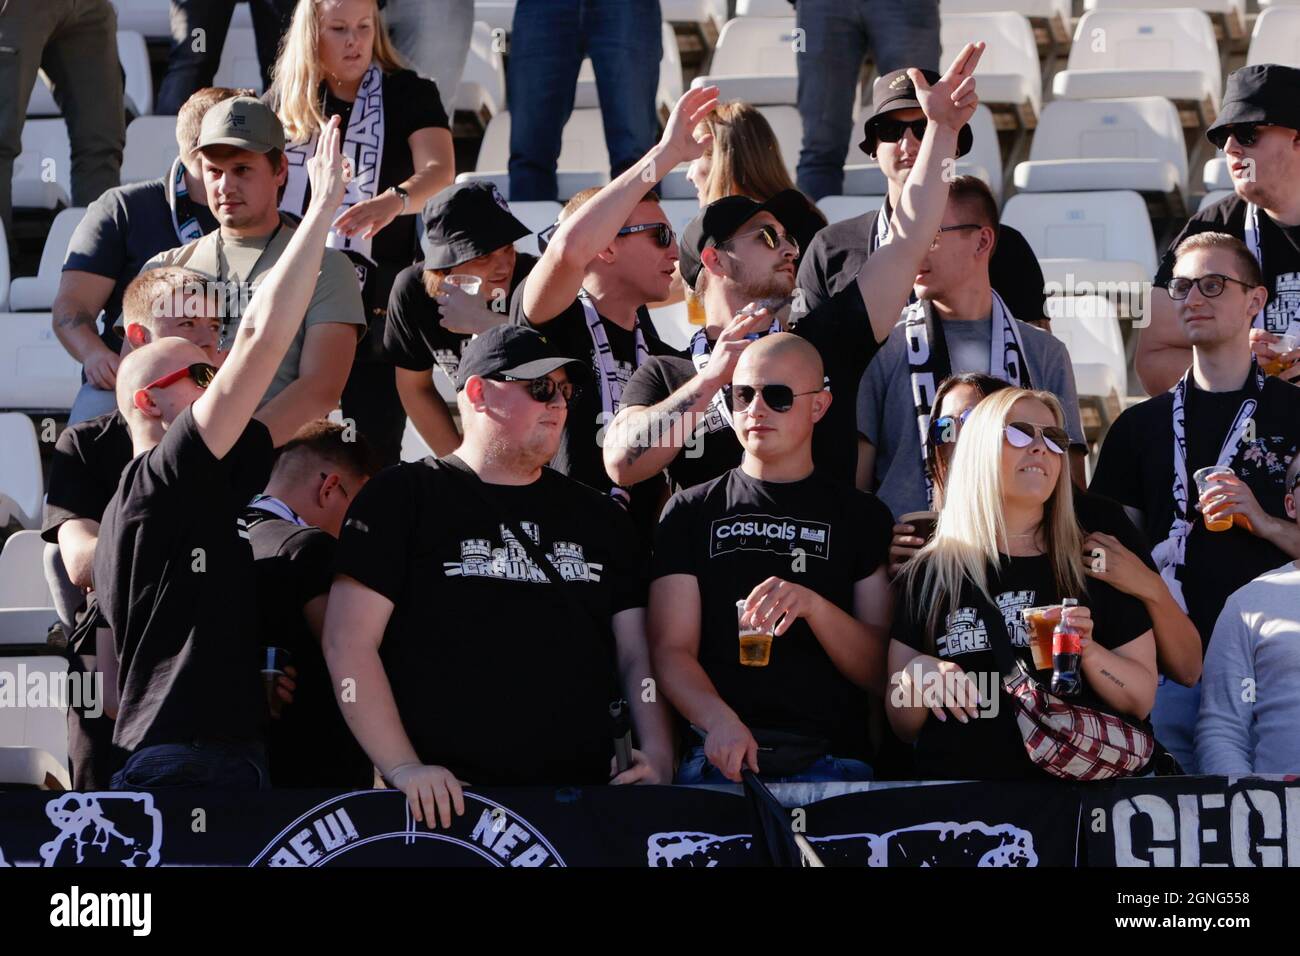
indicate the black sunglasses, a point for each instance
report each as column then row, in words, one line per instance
column 1211, row 285
column 779, row 398
column 663, row 236
column 771, row 238
column 1244, row 133
column 543, row 389
column 1022, row 435
column 945, row 429
column 891, row 130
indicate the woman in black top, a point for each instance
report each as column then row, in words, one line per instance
column 337, row 59
column 1007, row 538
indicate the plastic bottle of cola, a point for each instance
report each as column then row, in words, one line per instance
column 1066, row 654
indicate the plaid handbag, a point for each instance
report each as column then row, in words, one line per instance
column 1070, row 741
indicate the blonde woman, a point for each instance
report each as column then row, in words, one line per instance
column 1007, row 531
column 337, row 60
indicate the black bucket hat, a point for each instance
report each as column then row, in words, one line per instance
column 1264, row 93
column 895, row 91
column 465, row 221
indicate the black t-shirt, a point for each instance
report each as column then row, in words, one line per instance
column 733, row 533
column 174, row 577
column 1279, row 247
column 1099, row 514
column 579, row 455
column 1136, row 468
column 310, row 744
column 414, row 337
column 839, row 251
column 494, row 674
column 122, row 230
column 85, row 470
column 990, row 747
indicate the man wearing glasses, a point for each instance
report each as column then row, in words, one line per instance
column 171, row 559
column 486, row 609
column 959, row 323
column 1201, row 468
column 1258, row 129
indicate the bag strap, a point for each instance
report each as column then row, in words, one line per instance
column 995, row 626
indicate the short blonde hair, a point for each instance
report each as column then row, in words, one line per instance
column 189, row 119
column 156, row 292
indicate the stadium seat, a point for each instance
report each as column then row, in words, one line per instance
column 1049, row 18
column 839, row 208
column 31, row 768
column 759, row 90
column 36, row 372
column 1169, row 53
column 149, row 18
column 763, row 8
column 1276, row 37
column 43, row 170
column 694, row 11
column 1089, row 327
column 22, row 484
column 680, row 212
column 670, row 70
column 787, row 127
column 754, row 61
column 676, row 186
column 1213, row 196
column 672, row 325
column 497, row 14
column 150, row 148
column 1108, row 144
column 1230, row 15
column 22, row 570
column 134, row 57
column 536, row 216
column 568, row 182
column 1010, row 79
column 24, row 627
column 29, row 293
column 482, row 89
column 239, row 67
column 414, row 447
column 37, row 727
column 582, row 145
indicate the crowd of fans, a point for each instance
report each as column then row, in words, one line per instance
column 871, row 450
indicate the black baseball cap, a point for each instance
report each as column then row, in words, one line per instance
column 720, row 220
column 895, row 91
column 513, row 350
column 1264, row 93
column 465, row 221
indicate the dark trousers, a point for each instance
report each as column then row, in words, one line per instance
column 370, row 399
column 201, row 764
column 547, row 46
column 189, row 69
column 91, row 758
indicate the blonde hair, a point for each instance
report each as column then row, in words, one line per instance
column 971, row 526
column 297, row 75
column 746, row 157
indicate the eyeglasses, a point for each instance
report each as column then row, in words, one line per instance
column 201, row 373
column 664, row 236
column 779, row 398
column 325, row 477
column 771, row 238
column 543, row 389
column 1211, row 285
column 934, row 243
column 945, row 429
column 1022, row 435
column 891, row 130
column 1244, row 133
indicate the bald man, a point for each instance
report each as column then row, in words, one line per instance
column 173, row 570
column 789, row 550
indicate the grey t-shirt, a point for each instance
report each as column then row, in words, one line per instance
column 887, row 417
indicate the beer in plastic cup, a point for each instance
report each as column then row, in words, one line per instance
column 466, row 283
column 1205, row 485
column 755, row 642
column 922, row 521
column 1285, row 343
column 695, row 310
column 1040, row 634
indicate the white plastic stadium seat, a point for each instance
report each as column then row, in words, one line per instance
column 239, row 67
column 1231, row 14
column 1276, row 37
column 1213, row 196
column 25, row 625
column 22, row 569
column 568, row 182
column 755, row 61
column 483, row 81
column 536, row 216
column 679, row 212
column 676, row 186
column 670, row 70
column 497, row 14
column 134, row 57
column 839, row 208
column 31, row 767
column 763, row 8
column 1010, row 78
column 1169, row 53
column 36, row 372
column 787, row 127
column 671, row 323
column 150, row 148
column 22, row 485
column 1089, row 327
column 582, row 146
column 694, row 11
column 1107, row 144
column 1086, row 237
column 43, row 170
column 41, row 728
column 37, row 292
column 1216, row 174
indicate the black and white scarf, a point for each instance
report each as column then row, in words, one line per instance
column 184, row 210
column 882, row 231
column 701, row 348
column 274, row 506
column 1171, row 553
column 611, row 389
column 1251, row 237
column 928, row 362
column 363, row 147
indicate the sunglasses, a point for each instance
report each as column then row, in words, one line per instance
column 1244, row 133
column 201, row 373
column 663, row 234
column 1022, row 435
column 945, row 429
column 779, row 398
column 934, row 243
column 891, row 130
column 1211, row 285
column 543, row 389
column 771, row 238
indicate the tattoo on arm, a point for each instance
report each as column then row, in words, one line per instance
column 656, row 422
column 75, row 318
column 1119, row 683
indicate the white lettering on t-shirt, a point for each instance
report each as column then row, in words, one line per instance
column 966, row 631
column 761, row 532
column 482, row 558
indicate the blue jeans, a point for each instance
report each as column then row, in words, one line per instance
column 203, row 764
column 900, row 33
column 547, row 46
column 91, row 402
column 1174, row 719
column 695, row 768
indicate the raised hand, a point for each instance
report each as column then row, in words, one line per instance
column 328, row 171
column 679, row 134
column 951, row 101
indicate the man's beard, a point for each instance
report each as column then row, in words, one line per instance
column 526, row 455
column 768, row 285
